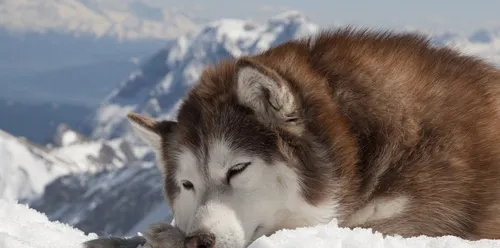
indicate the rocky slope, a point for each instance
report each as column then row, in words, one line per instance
column 110, row 202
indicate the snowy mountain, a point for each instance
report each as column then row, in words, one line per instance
column 26, row 168
column 159, row 84
column 65, row 136
column 125, row 20
column 484, row 43
column 111, row 202
column 95, row 156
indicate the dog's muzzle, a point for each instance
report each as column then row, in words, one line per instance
column 200, row 240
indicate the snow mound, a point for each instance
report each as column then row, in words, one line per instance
column 333, row 236
column 22, row 227
column 27, row 228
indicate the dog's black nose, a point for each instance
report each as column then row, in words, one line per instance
column 200, row 240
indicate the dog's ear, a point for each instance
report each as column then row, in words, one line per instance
column 151, row 131
column 266, row 92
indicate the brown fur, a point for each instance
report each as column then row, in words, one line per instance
column 379, row 115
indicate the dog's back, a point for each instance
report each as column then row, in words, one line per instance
column 426, row 123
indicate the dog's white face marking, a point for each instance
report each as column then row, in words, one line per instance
column 258, row 200
column 378, row 209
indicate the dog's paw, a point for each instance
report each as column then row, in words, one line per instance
column 164, row 235
column 116, row 242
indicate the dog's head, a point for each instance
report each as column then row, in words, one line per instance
column 243, row 159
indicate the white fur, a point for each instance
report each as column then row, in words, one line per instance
column 148, row 136
column 250, row 83
column 183, row 206
column 378, row 209
column 152, row 139
column 266, row 196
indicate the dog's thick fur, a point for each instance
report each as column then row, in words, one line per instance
column 378, row 129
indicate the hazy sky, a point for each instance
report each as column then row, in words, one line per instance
column 459, row 15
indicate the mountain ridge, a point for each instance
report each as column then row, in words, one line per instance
column 88, row 17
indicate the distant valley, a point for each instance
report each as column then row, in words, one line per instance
column 39, row 71
column 61, row 66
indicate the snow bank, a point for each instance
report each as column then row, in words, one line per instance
column 22, row 227
column 332, row 236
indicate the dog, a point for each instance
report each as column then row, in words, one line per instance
column 376, row 129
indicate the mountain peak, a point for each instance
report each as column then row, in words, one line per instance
column 66, row 136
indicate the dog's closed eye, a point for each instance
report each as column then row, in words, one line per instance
column 235, row 170
column 187, row 185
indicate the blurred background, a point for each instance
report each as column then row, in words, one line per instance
column 70, row 70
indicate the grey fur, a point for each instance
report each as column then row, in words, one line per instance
column 164, row 235
column 158, row 235
column 115, row 242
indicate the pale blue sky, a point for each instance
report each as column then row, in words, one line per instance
column 459, row 15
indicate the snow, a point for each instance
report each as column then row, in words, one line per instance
column 69, row 138
column 22, row 227
column 332, row 236
column 111, row 115
column 26, row 168
column 66, row 136
column 93, row 155
column 84, row 200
